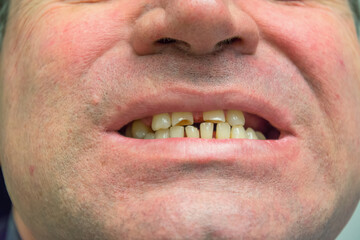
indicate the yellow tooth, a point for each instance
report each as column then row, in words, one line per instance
column 162, row 133
column 260, row 135
column 161, row 121
column 223, row 131
column 235, row 117
column 150, row 135
column 238, row 132
column 182, row 118
column 139, row 129
column 128, row 131
column 251, row 133
column 177, row 132
column 206, row 130
column 216, row 116
column 192, row 132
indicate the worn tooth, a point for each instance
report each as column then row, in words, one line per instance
column 206, row 130
column 251, row 133
column 182, row 118
column 162, row 133
column 238, row 132
column 177, row 132
column 223, row 131
column 128, row 131
column 161, row 121
column 139, row 129
column 150, row 135
column 216, row 116
column 235, row 117
column 192, row 132
column 260, row 135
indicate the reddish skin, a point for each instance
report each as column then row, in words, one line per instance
column 69, row 69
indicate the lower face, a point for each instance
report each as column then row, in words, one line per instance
column 72, row 173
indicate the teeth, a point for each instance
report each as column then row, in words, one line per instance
column 217, row 116
column 223, row 131
column 192, row 132
column 251, row 133
column 128, row 131
column 161, row 121
column 238, row 132
column 177, row 132
column 139, row 129
column 150, row 136
column 234, row 117
column 260, row 135
column 182, row 118
column 206, row 130
column 162, row 133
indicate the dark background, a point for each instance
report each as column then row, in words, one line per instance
column 5, row 204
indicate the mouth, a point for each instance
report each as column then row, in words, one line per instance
column 215, row 124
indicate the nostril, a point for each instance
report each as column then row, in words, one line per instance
column 166, row 41
column 227, row 42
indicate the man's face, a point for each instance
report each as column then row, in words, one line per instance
column 74, row 73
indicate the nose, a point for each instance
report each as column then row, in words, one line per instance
column 196, row 27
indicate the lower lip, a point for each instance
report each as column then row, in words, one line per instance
column 271, row 153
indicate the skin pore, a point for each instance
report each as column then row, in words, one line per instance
column 72, row 70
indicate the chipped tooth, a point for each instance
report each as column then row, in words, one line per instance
column 150, row 135
column 251, row 133
column 128, row 131
column 162, row 133
column 235, row 117
column 139, row 129
column 161, row 121
column 260, row 135
column 206, row 130
column 192, row 132
column 182, row 118
column 177, row 132
column 238, row 132
column 223, row 131
column 216, row 116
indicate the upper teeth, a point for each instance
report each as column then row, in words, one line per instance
column 165, row 125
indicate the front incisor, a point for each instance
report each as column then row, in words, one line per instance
column 235, row 117
column 251, row 133
column 162, row 133
column 177, row 132
column 216, row 116
column 192, row 132
column 206, row 130
column 223, row 131
column 182, row 118
column 161, row 121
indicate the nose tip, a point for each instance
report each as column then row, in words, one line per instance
column 195, row 26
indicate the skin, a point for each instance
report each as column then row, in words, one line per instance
column 67, row 67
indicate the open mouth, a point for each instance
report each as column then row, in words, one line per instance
column 216, row 124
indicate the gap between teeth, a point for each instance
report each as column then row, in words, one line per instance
column 180, row 124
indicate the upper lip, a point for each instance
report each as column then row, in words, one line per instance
column 180, row 99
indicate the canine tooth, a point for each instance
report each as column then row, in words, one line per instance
column 223, row 131
column 192, row 132
column 162, row 133
column 251, row 133
column 235, row 117
column 161, row 121
column 238, row 132
column 260, row 135
column 182, row 118
column 216, row 116
column 139, row 129
column 177, row 132
column 150, row 135
column 206, row 130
